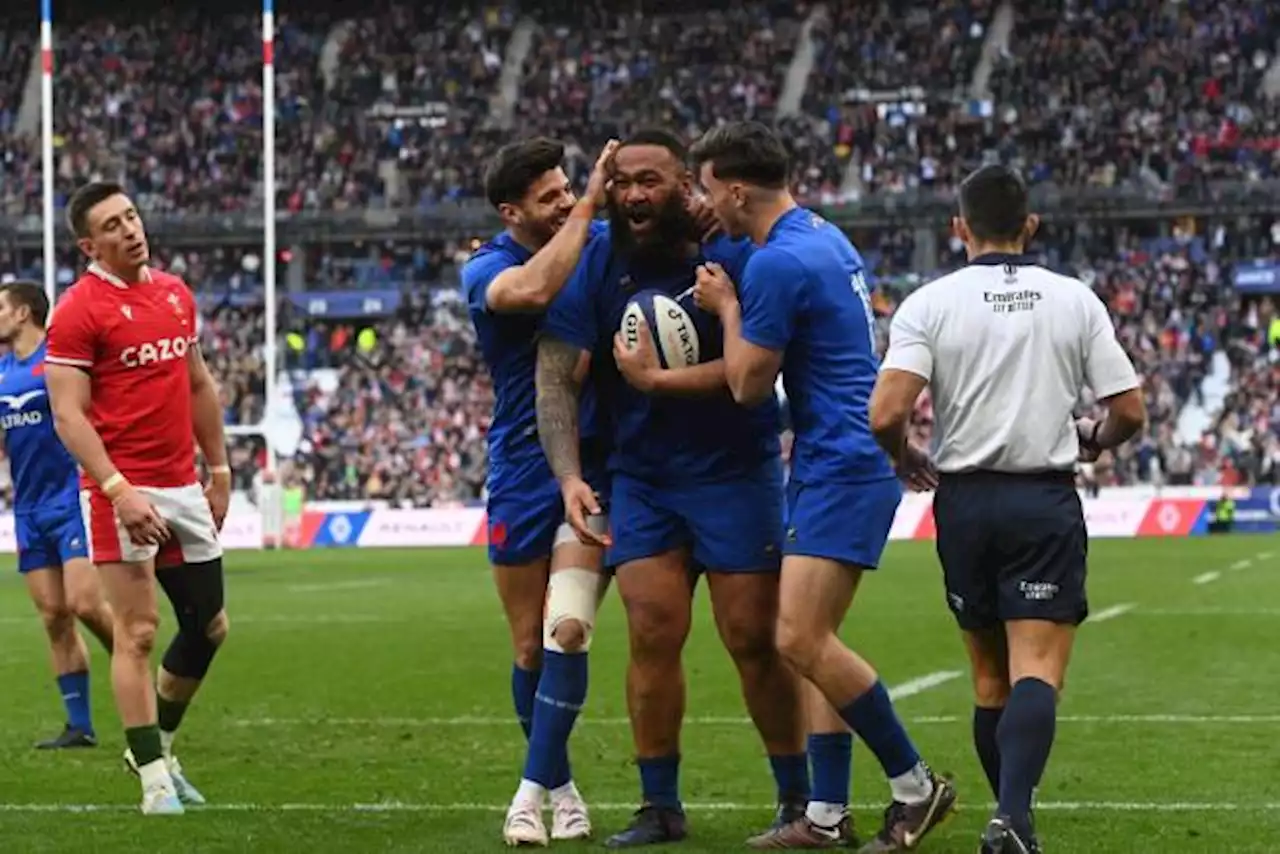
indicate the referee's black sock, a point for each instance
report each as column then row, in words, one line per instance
column 985, row 722
column 1025, row 737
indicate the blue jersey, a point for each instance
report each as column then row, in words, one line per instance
column 509, row 345
column 44, row 474
column 804, row 294
column 667, row 440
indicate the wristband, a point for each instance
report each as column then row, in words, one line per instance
column 225, row 471
column 114, row 485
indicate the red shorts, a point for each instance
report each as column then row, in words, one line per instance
column 184, row 508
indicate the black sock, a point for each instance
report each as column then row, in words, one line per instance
column 985, row 722
column 144, row 741
column 1025, row 736
column 169, row 713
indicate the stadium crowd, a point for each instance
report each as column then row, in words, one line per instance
column 400, row 106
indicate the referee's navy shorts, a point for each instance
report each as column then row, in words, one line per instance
column 1012, row 547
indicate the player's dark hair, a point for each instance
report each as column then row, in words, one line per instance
column 84, row 200
column 993, row 202
column 662, row 139
column 517, row 165
column 30, row 294
column 744, row 151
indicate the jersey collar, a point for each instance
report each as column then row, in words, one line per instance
column 113, row 279
column 999, row 259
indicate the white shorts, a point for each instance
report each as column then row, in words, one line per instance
column 184, row 508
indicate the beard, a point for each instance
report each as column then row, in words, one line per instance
column 670, row 228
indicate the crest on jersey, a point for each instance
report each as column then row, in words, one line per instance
column 126, row 311
column 176, row 303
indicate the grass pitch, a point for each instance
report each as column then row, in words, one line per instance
column 362, row 705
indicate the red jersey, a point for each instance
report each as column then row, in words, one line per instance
column 132, row 339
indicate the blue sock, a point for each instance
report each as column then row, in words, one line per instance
column 831, row 754
column 986, row 723
column 873, row 718
column 524, row 686
column 791, row 773
column 75, row 697
column 1025, row 735
column 660, row 780
column 561, row 693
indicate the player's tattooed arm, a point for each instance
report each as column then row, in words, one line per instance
column 559, row 379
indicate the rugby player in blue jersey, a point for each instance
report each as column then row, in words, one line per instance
column 53, row 554
column 537, row 560
column 801, row 307
column 696, row 479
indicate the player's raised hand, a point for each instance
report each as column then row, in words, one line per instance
column 583, row 513
column 598, row 183
column 140, row 518
column 916, row 469
column 640, row 366
column 713, row 290
column 705, row 222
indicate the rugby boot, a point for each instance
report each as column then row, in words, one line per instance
column 1000, row 837
column 69, row 737
column 906, row 824
column 651, row 825
column 523, row 825
column 187, row 793
column 569, row 816
column 801, row 834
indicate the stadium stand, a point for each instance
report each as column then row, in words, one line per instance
column 1162, row 194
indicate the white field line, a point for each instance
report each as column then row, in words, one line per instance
column 1241, row 564
column 705, row 806
column 706, row 720
column 923, row 683
column 327, row 586
column 1206, row 577
column 1209, row 612
column 1264, row 555
column 1112, row 612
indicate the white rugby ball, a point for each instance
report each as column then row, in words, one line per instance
column 674, row 334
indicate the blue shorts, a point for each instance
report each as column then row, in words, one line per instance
column 845, row 522
column 731, row 526
column 49, row 537
column 523, row 517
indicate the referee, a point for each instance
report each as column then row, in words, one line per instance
column 1006, row 348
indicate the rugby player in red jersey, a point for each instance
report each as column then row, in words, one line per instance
column 129, row 391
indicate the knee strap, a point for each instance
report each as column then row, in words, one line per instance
column 197, row 594
column 572, row 594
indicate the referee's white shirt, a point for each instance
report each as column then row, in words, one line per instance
column 1007, row 348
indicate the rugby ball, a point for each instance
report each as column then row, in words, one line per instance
column 674, row 335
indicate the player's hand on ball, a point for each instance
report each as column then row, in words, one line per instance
column 581, row 507
column 713, row 290
column 916, row 469
column 1087, row 433
column 640, row 366
column 140, row 518
column 598, row 183
column 218, row 494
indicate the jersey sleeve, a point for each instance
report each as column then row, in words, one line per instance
column 909, row 345
column 769, row 293
column 72, row 337
column 572, row 317
column 477, row 274
column 1107, row 368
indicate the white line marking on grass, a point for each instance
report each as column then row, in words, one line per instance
column 1112, row 612
column 708, row 806
column 1206, row 577
column 1241, row 564
column 1264, row 555
column 923, row 683
column 1209, row 612
column 326, row 586
column 489, row 721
